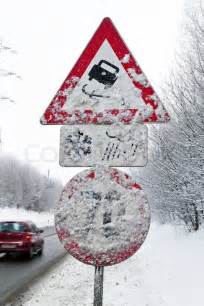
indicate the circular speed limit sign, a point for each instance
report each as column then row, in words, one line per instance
column 102, row 217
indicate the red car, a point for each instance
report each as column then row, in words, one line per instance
column 20, row 237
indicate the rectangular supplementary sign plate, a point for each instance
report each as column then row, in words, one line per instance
column 111, row 145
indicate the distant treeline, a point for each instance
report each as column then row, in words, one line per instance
column 21, row 185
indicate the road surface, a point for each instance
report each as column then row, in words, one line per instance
column 16, row 273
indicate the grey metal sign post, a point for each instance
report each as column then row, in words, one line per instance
column 98, row 286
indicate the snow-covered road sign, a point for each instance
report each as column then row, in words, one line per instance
column 102, row 217
column 105, row 86
column 112, row 145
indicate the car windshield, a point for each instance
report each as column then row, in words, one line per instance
column 11, row 227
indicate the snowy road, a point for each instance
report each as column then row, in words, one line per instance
column 15, row 273
column 167, row 271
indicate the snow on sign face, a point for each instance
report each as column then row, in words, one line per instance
column 102, row 217
column 105, row 86
column 110, row 145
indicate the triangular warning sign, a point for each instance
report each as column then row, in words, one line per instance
column 105, row 86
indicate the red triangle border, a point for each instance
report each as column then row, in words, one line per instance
column 54, row 113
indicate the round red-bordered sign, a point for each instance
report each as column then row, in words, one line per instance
column 102, row 217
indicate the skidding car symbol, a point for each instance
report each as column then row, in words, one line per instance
column 102, row 75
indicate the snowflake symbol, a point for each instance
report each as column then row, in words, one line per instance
column 77, row 145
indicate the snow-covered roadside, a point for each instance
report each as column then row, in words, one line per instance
column 168, row 270
column 14, row 214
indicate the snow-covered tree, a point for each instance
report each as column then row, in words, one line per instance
column 5, row 51
column 175, row 172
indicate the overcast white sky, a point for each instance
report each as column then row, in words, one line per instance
column 49, row 36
